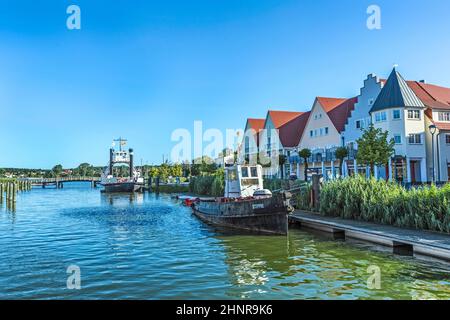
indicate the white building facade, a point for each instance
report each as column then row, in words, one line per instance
column 399, row 111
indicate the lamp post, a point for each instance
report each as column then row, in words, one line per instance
column 433, row 129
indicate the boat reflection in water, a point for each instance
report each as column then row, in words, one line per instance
column 122, row 199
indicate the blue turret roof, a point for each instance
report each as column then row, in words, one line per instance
column 396, row 93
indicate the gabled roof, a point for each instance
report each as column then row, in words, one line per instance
column 341, row 113
column 396, row 93
column 279, row 118
column 329, row 104
column 431, row 95
column 291, row 132
column 255, row 124
column 338, row 110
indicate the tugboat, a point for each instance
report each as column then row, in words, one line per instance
column 246, row 205
column 133, row 182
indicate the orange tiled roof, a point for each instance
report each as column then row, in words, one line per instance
column 341, row 113
column 431, row 95
column 444, row 126
column 279, row 118
column 256, row 124
column 291, row 132
column 338, row 110
column 329, row 104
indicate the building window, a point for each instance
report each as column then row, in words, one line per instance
column 358, row 124
column 326, row 131
column 247, row 145
column 447, row 138
column 397, row 139
column 444, row 116
column 321, row 131
column 415, row 138
column 414, row 114
column 396, row 114
column 380, row 116
column 311, row 133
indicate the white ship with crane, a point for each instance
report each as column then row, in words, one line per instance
column 133, row 182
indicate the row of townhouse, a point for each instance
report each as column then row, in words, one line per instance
column 415, row 114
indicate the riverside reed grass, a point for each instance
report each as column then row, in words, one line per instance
column 372, row 200
column 208, row 185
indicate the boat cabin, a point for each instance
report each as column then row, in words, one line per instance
column 242, row 181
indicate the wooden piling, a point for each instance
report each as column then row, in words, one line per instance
column 14, row 192
column 316, row 191
column 149, row 184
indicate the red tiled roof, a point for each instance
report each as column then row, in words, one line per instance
column 256, row 124
column 431, row 95
column 291, row 132
column 445, row 126
column 280, row 118
column 341, row 113
column 329, row 104
column 338, row 110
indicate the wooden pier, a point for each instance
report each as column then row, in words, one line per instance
column 9, row 190
column 402, row 241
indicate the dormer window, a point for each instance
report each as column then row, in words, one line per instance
column 414, row 114
column 444, row 116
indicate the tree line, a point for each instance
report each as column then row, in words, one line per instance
column 198, row 167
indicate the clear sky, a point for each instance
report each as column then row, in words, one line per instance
column 140, row 69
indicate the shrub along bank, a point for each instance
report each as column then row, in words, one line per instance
column 388, row 203
column 208, row 185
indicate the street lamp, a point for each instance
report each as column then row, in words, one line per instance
column 432, row 129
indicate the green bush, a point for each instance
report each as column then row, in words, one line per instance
column 210, row 185
column 282, row 184
column 302, row 198
column 275, row 184
column 388, row 203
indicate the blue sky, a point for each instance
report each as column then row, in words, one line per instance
column 140, row 69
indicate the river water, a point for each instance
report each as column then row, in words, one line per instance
column 150, row 247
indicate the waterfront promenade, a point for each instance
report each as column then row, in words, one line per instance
column 403, row 241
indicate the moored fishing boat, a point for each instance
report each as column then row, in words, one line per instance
column 246, row 205
column 111, row 183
